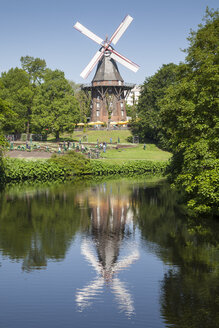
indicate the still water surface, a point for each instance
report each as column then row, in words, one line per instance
column 109, row 254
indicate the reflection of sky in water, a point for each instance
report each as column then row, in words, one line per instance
column 90, row 246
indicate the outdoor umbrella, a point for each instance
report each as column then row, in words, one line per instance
column 99, row 123
column 122, row 122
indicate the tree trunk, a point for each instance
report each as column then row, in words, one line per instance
column 57, row 135
column 28, row 130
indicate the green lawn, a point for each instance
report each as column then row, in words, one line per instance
column 101, row 135
column 151, row 153
column 113, row 155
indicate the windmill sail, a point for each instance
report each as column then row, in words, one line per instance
column 121, row 29
column 124, row 61
column 88, row 33
column 106, row 48
column 92, row 64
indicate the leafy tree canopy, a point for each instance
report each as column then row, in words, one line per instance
column 84, row 101
column 15, row 89
column 147, row 123
column 190, row 119
column 35, row 67
column 55, row 108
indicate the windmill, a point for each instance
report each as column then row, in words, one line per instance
column 108, row 90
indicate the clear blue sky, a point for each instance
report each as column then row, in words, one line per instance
column 44, row 28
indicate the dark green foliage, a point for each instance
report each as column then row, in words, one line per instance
column 72, row 163
column 190, row 119
column 84, row 101
column 55, row 108
column 15, row 89
column 35, row 67
column 147, row 124
column 137, row 167
column 40, row 100
column 21, row 170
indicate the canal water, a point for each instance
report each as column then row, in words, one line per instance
column 116, row 253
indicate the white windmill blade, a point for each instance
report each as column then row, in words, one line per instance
column 123, row 297
column 127, row 261
column 84, row 297
column 124, row 61
column 86, row 251
column 121, row 29
column 88, row 33
column 92, row 63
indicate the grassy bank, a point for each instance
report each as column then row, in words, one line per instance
column 124, row 136
column 151, row 153
column 72, row 165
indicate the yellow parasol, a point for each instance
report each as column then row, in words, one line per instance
column 113, row 123
column 80, row 124
column 99, row 123
column 122, row 122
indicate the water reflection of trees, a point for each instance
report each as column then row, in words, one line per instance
column 190, row 288
column 39, row 226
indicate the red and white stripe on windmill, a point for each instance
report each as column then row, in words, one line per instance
column 108, row 90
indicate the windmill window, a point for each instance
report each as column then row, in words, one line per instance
column 98, row 113
column 122, row 105
column 98, row 105
column 122, row 112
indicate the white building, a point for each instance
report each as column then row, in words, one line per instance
column 133, row 95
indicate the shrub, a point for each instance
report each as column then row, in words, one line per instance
column 72, row 163
column 21, row 170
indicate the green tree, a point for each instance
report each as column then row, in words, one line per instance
column 75, row 86
column 147, row 124
column 55, row 108
column 35, row 67
column 190, row 118
column 84, row 101
column 4, row 112
column 15, row 89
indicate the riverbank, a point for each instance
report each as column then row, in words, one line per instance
column 71, row 165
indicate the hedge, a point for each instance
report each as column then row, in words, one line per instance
column 71, row 165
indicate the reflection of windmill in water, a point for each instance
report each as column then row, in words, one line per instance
column 110, row 217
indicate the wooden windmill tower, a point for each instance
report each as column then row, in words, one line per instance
column 108, row 90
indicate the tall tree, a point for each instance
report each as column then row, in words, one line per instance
column 55, row 108
column 147, row 123
column 84, row 101
column 190, row 118
column 15, row 88
column 35, row 68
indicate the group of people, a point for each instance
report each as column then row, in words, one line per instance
column 102, row 145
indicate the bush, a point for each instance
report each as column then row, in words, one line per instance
column 137, row 167
column 71, row 165
column 21, row 170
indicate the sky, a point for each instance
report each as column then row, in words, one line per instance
column 44, row 29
